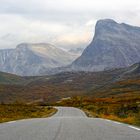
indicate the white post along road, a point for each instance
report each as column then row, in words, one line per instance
column 68, row 124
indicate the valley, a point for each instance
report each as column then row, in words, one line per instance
column 69, row 70
column 112, row 94
column 101, row 93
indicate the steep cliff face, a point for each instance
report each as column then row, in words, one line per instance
column 32, row 59
column 113, row 46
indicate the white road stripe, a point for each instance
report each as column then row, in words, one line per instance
column 117, row 122
column 114, row 122
column 134, row 127
column 11, row 122
column 108, row 120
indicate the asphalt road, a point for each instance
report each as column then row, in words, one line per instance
column 68, row 124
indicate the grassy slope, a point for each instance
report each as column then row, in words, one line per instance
column 119, row 101
column 120, row 92
column 7, row 78
column 120, row 88
column 123, row 109
column 53, row 88
column 16, row 112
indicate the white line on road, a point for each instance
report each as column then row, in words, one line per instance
column 11, row 122
column 121, row 123
column 134, row 128
column 114, row 122
column 108, row 120
column 117, row 122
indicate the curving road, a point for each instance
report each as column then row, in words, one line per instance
column 68, row 124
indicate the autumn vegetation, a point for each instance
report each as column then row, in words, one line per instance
column 109, row 94
column 10, row 112
column 123, row 109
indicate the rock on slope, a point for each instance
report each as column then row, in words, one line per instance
column 32, row 59
column 114, row 46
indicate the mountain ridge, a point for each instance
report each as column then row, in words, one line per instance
column 29, row 59
column 114, row 46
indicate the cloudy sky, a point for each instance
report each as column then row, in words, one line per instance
column 64, row 23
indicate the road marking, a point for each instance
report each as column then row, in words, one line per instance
column 11, row 122
column 109, row 120
column 128, row 126
column 134, row 128
column 113, row 121
column 117, row 122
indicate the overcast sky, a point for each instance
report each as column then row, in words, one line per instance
column 64, row 23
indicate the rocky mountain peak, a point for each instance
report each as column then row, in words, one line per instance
column 106, row 22
column 31, row 59
column 114, row 45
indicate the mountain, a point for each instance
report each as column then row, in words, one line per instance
column 32, row 59
column 114, row 46
column 77, row 51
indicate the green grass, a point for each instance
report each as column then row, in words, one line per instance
column 17, row 112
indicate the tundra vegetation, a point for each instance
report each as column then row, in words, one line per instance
column 123, row 109
column 16, row 111
column 113, row 94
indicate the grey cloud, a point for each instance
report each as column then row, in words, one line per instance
column 27, row 20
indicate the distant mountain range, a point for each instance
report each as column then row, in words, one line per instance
column 114, row 46
column 33, row 59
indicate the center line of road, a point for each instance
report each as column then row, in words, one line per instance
column 134, row 128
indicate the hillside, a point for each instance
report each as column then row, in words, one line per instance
column 55, row 87
column 7, row 78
